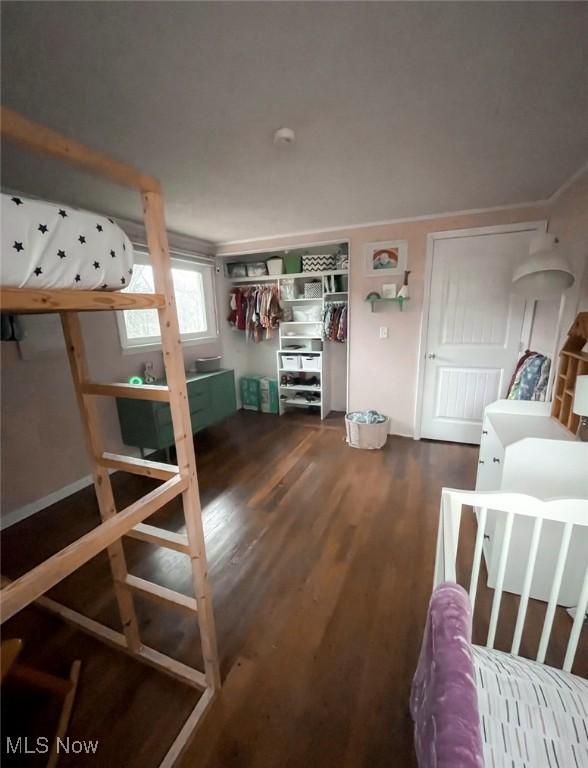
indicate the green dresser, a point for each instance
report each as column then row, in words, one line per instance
column 148, row 424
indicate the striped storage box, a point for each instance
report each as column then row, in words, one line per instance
column 319, row 262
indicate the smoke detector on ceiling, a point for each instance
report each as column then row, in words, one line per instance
column 284, row 136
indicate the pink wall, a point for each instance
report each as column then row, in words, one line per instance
column 42, row 444
column 383, row 372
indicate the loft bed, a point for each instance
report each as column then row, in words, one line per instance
column 176, row 480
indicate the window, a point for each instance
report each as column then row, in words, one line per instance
column 194, row 289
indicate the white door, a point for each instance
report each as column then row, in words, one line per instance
column 474, row 332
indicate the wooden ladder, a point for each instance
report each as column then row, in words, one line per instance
column 181, row 479
column 87, row 392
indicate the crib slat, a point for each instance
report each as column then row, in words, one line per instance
column 522, row 614
column 500, row 580
column 477, row 555
column 451, row 511
column 577, row 626
column 553, row 595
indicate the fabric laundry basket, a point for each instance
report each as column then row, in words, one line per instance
column 370, row 433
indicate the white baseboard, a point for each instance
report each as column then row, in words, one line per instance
column 36, row 506
column 11, row 518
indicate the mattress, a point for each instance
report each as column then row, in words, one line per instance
column 532, row 715
column 47, row 245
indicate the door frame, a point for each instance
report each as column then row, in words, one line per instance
column 450, row 234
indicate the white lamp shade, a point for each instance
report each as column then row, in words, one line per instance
column 545, row 272
column 581, row 396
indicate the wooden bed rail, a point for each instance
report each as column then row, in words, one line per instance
column 31, row 136
column 567, row 512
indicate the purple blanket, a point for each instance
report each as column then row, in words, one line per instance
column 443, row 702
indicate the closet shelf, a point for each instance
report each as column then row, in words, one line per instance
column 302, row 337
column 301, row 387
column 300, row 322
column 302, row 403
column 336, row 293
column 286, row 276
column 301, row 298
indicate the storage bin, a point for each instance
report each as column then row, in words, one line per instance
column 292, row 263
column 269, row 395
column 290, row 362
column 236, row 270
column 256, row 269
column 310, row 314
column 371, row 437
column 207, row 364
column 250, row 393
column 287, row 288
column 319, row 262
column 310, row 362
column 313, row 290
column 275, row 265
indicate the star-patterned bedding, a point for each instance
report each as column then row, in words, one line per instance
column 46, row 245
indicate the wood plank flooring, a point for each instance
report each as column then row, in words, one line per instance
column 321, row 563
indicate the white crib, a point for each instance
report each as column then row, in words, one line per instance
column 569, row 513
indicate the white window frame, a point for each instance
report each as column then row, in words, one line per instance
column 147, row 343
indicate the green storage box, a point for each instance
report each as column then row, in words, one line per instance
column 269, row 395
column 250, row 393
column 292, row 263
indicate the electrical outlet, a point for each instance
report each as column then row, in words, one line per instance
column 383, row 332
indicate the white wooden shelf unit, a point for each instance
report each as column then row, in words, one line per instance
column 309, row 332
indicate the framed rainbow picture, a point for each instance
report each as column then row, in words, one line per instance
column 386, row 259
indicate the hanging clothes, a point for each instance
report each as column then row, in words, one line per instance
column 334, row 323
column 529, row 381
column 256, row 310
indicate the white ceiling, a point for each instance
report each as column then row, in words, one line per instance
column 400, row 109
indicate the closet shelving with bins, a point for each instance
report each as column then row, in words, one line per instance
column 311, row 372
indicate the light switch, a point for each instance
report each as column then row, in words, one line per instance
column 383, row 332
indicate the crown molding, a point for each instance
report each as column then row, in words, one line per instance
column 407, row 219
column 568, row 183
column 343, row 228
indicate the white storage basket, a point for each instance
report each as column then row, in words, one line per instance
column 290, row 362
column 310, row 362
column 307, row 314
column 367, row 436
column 275, row 265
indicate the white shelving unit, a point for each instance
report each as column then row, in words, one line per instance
column 330, row 388
column 305, row 334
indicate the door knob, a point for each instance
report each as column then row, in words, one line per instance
column 431, row 355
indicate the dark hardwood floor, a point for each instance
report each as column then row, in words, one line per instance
column 321, row 563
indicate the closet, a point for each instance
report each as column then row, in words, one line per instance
column 285, row 316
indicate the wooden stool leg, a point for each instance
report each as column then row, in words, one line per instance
column 66, row 710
